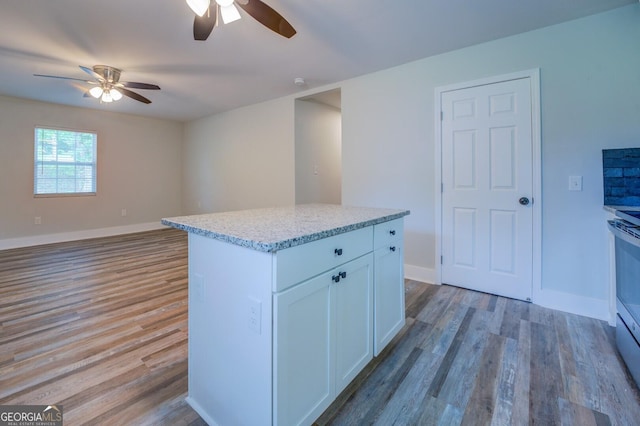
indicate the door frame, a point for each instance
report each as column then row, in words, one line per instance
column 534, row 78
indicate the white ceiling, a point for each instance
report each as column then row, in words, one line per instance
column 243, row 62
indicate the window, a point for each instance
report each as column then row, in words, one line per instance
column 65, row 162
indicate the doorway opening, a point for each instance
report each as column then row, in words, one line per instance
column 318, row 148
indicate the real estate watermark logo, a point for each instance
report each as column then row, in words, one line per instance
column 30, row 415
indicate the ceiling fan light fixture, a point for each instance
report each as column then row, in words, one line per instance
column 224, row 3
column 106, row 96
column 96, row 92
column 106, row 85
column 115, row 94
column 199, row 7
column 229, row 13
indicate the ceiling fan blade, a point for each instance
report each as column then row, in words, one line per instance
column 134, row 95
column 134, row 85
column 268, row 17
column 203, row 25
column 61, row 78
column 92, row 73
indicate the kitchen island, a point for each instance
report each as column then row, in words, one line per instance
column 286, row 306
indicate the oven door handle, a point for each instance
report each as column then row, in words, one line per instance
column 618, row 233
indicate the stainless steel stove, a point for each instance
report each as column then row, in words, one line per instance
column 627, row 242
column 631, row 216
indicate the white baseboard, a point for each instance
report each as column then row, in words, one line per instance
column 201, row 411
column 419, row 273
column 62, row 237
column 575, row 304
column 553, row 299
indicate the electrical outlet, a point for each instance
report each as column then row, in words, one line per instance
column 255, row 315
column 123, row 212
column 37, row 220
column 197, row 285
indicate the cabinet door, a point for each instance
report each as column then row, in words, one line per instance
column 353, row 319
column 388, row 294
column 303, row 348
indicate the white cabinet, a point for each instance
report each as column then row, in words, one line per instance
column 322, row 339
column 275, row 337
column 389, row 313
column 296, row 264
column 353, row 320
column 303, row 365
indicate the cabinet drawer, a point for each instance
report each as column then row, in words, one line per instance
column 295, row 264
column 387, row 232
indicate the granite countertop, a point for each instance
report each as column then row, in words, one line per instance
column 277, row 228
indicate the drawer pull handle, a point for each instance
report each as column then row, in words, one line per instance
column 392, row 248
column 338, row 252
column 336, row 278
column 392, row 232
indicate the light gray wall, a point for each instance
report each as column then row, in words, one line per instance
column 139, row 166
column 240, row 159
column 318, row 153
column 590, row 100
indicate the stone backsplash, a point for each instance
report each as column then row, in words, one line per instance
column 621, row 176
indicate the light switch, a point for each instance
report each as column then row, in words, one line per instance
column 575, row 183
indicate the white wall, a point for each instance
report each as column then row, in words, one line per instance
column 139, row 165
column 387, row 140
column 590, row 100
column 318, row 153
column 240, row 159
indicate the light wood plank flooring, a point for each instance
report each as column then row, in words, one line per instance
column 100, row 326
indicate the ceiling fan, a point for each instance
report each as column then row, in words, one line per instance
column 208, row 16
column 107, row 85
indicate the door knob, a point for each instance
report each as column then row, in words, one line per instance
column 524, row 201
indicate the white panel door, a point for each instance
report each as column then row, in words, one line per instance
column 487, row 181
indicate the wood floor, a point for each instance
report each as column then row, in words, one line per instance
column 100, row 326
column 471, row 358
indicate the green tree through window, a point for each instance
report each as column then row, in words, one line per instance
column 65, row 162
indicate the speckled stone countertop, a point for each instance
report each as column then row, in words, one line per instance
column 277, row 228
